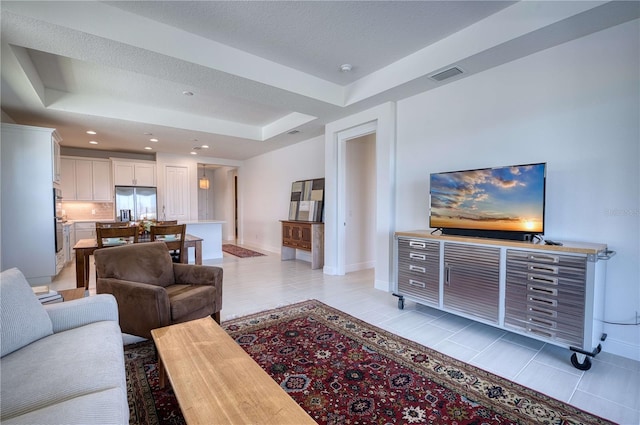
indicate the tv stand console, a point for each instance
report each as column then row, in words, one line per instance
column 553, row 293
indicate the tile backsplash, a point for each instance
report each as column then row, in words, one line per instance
column 88, row 210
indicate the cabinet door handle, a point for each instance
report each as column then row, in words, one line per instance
column 540, row 290
column 542, row 322
column 544, row 311
column 544, row 269
column 417, row 244
column 544, row 258
column 541, row 332
column 542, row 279
column 447, row 274
column 417, row 283
column 417, row 268
column 416, row 256
column 544, row 301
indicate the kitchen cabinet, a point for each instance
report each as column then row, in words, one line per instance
column 85, row 230
column 67, row 247
column 306, row 236
column 129, row 173
column 553, row 293
column 28, row 224
column 86, row 179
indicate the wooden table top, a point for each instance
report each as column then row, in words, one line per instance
column 93, row 243
column 216, row 381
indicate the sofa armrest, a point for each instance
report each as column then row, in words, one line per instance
column 141, row 306
column 80, row 312
column 192, row 274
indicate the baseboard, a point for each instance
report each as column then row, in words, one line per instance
column 356, row 267
column 621, row 348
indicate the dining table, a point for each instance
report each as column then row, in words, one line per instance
column 84, row 248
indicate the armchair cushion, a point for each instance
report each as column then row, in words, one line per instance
column 151, row 265
column 24, row 320
column 185, row 300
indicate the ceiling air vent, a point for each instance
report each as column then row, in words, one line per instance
column 447, row 73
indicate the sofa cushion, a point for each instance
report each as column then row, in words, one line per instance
column 104, row 407
column 147, row 262
column 62, row 367
column 23, row 319
column 187, row 299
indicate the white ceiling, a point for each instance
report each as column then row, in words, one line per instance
column 257, row 69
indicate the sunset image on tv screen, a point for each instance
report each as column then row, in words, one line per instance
column 503, row 199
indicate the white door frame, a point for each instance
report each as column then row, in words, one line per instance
column 343, row 138
column 383, row 118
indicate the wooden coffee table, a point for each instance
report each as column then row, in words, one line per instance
column 216, row 381
column 71, row 294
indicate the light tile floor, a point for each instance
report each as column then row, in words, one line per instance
column 611, row 388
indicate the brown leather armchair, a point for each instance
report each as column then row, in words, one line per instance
column 152, row 291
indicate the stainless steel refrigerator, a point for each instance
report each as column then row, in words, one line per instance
column 135, row 203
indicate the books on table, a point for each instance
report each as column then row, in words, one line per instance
column 49, row 296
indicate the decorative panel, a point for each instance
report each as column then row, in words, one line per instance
column 307, row 200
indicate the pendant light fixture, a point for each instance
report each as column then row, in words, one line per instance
column 203, row 183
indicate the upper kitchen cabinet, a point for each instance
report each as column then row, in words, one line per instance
column 28, row 225
column 86, row 179
column 130, row 173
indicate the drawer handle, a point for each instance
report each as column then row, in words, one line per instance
column 546, row 291
column 538, row 310
column 544, row 269
column 417, row 283
column 546, row 302
column 417, row 244
column 416, row 256
column 542, row 279
column 544, row 258
column 541, row 332
column 417, row 268
column 538, row 321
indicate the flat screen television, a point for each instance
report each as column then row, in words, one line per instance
column 501, row 202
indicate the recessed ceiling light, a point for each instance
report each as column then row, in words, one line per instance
column 153, row 140
column 205, row 146
column 346, row 67
column 193, row 153
column 91, row 132
column 187, row 93
column 93, row 142
column 148, row 148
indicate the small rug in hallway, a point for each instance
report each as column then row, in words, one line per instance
column 238, row 251
column 342, row 370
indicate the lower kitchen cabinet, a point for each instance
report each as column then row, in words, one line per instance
column 85, row 230
column 548, row 292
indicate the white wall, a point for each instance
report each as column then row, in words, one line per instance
column 264, row 190
column 575, row 106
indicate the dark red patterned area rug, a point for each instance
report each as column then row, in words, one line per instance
column 342, row 370
column 239, row 251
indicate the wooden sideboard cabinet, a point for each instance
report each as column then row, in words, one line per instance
column 553, row 293
column 306, row 236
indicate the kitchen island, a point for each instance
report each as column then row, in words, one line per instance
column 210, row 231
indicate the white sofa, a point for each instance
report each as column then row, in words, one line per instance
column 61, row 363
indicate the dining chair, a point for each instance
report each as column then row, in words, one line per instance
column 166, row 222
column 114, row 236
column 110, row 224
column 173, row 236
